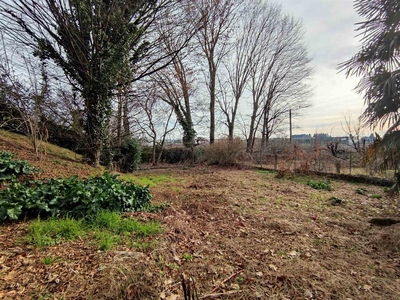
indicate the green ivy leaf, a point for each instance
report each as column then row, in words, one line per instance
column 14, row 213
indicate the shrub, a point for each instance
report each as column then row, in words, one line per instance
column 10, row 168
column 176, row 155
column 128, row 157
column 320, row 185
column 73, row 197
column 224, row 152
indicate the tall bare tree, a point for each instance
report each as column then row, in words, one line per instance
column 280, row 68
column 213, row 37
column 245, row 38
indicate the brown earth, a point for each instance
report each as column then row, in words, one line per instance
column 230, row 233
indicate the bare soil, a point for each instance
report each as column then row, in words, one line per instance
column 228, row 234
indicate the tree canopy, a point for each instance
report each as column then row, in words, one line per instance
column 90, row 41
column 378, row 65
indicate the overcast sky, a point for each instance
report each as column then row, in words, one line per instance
column 330, row 36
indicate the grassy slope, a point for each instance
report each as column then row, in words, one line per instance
column 55, row 161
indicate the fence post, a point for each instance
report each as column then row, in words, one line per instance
column 350, row 163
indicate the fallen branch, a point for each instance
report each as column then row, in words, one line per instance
column 227, row 279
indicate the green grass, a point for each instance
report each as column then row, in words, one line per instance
column 267, row 172
column 106, row 230
column 301, row 179
column 53, row 231
column 48, row 260
column 376, row 196
column 187, row 257
column 320, row 184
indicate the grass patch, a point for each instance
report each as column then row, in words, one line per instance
column 112, row 222
column 53, row 231
column 48, row 260
column 106, row 230
column 266, row 172
column 376, row 196
column 301, row 179
column 361, row 191
column 187, row 257
column 151, row 180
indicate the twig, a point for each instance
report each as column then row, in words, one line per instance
column 219, row 294
column 227, row 279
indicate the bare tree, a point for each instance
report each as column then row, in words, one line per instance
column 23, row 102
column 354, row 132
column 217, row 22
column 175, row 84
column 245, row 38
column 280, row 68
column 154, row 119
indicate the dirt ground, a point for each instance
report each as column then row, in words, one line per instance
column 228, row 234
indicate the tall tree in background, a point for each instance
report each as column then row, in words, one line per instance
column 217, row 21
column 287, row 91
column 280, row 65
column 89, row 41
column 246, row 37
column 378, row 65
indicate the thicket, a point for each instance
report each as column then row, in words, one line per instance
column 176, row 155
column 224, row 152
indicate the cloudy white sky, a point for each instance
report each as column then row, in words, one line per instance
column 331, row 39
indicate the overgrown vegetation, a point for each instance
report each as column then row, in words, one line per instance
column 224, row 152
column 11, row 169
column 73, row 197
column 106, row 229
column 125, row 158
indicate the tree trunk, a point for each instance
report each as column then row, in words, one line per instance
column 125, row 119
column 250, row 138
column 153, row 154
column 212, row 105
column 119, row 121
column 96, row 124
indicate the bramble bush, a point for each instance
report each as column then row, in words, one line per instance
column 72, row 197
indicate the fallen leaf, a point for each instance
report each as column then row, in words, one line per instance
column 10, row 276
column 367, row 288
column 272, row 267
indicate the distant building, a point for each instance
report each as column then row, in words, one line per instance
column 344, row 139
column 301, row 136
